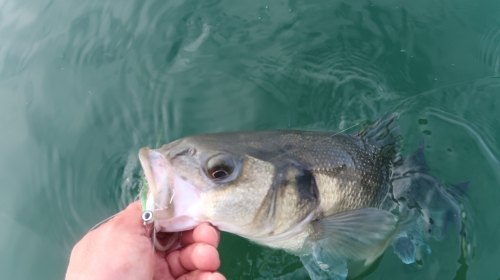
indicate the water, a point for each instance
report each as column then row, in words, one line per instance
column 85, row 84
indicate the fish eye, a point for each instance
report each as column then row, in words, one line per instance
column 220, row 167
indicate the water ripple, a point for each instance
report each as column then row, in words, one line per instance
column 469, row 127
column 490, row 49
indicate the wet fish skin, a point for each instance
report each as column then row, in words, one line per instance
column 305, row 169
column 319, row 195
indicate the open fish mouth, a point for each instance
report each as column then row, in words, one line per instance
column 157, row 195
column 335, row 200
column 170, row 201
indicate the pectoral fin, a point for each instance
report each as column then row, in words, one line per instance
column 357, row 236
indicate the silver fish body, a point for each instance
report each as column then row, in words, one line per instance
column 328, row 198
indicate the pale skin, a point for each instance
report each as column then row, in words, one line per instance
column 122, row 249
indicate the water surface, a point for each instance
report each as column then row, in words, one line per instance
column 85, row 84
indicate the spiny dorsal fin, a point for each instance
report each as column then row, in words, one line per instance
column 383, row 132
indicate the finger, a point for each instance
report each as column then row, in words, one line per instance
column 187, row 238
column 130, row 220
column 174, row 264
column 202, row 275
column 162, row 269
column 204, row 233
column 194, row 257
column 199, row 256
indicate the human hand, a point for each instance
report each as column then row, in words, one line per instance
column 121, row 249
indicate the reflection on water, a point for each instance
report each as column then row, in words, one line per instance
column 490, row 52
column 473, row 110
column 453, row 119
column 462, row 138
column 84, row 85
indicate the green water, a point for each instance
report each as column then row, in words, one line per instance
column 85, row 84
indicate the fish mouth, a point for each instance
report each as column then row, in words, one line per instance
column 172, row 199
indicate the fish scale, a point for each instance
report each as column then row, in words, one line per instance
column 335, row 200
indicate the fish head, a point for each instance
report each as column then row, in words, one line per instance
column 210, row 179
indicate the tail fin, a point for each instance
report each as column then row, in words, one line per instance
column 439, row 206
column 426, row 207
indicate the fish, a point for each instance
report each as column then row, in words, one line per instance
column 336, row 200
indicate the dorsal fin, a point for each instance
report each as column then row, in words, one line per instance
column 383, row 134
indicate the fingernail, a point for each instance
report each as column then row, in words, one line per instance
column 216, row 276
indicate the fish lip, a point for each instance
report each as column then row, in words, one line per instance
column 175, row 206
column 144, row 159
column 158, row 173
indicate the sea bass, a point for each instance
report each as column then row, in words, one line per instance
column 335, row 200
